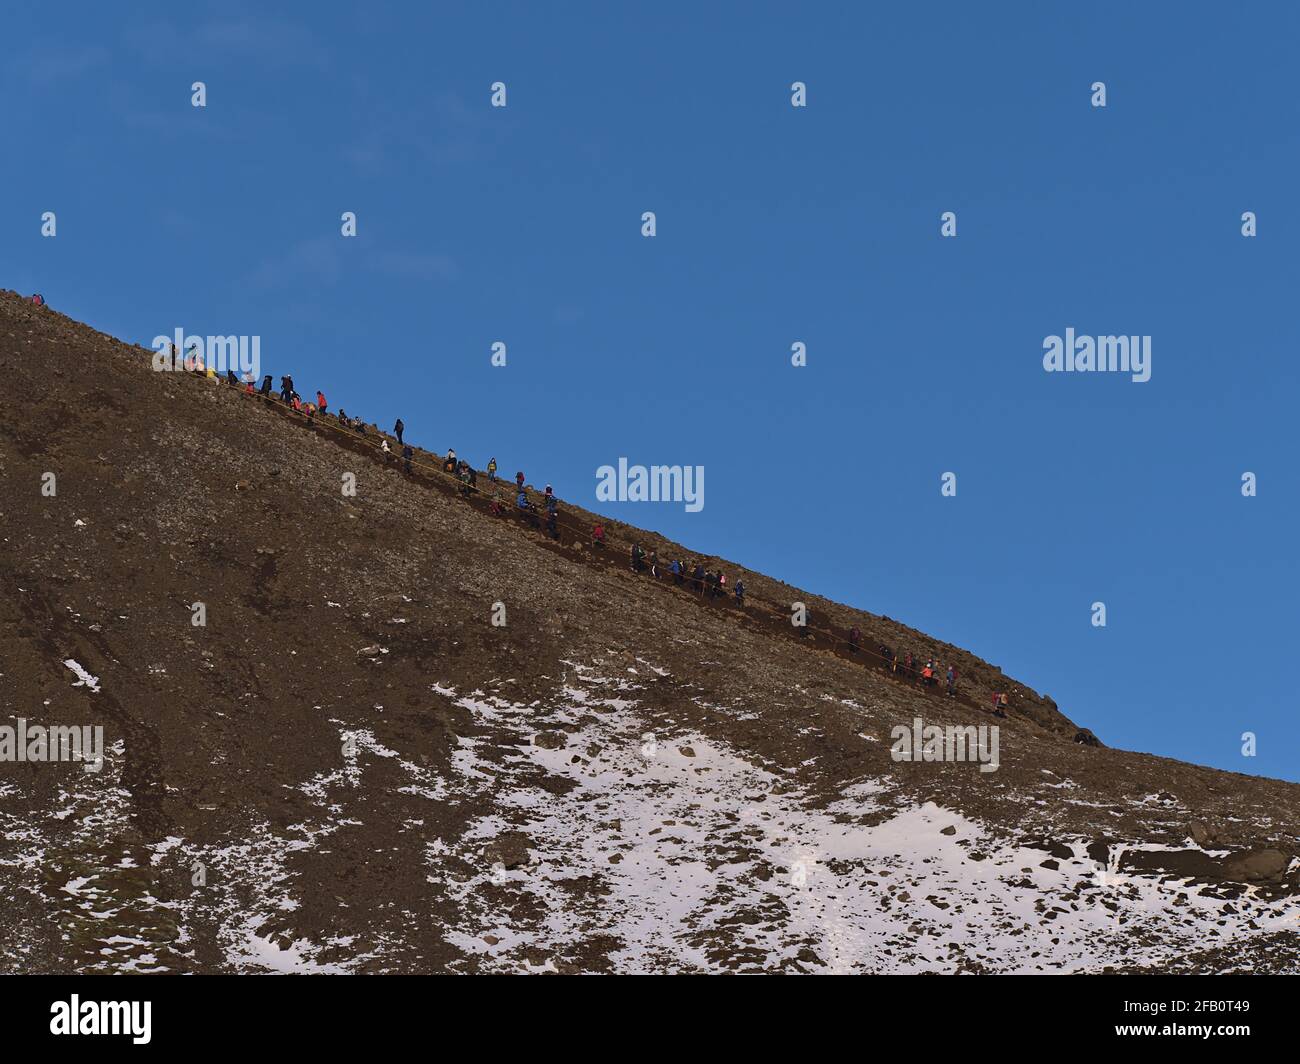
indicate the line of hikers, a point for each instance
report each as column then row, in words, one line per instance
column 702, row 581
column 928, row 674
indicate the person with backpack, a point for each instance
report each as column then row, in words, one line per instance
column 321, row 405
column 598, row 536
column 526, row 509
column 37, row 300
column 637, row 555
column 266, row 386
column 952, row 682
column 492, row 470
column 699, row 578
column 740, row 593
column 407, row 455
column 398, row 429
column 677, row 572
column 552, row 518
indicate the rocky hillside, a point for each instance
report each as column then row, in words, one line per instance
column 350, row 767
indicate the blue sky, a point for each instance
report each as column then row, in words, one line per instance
column 775, row 225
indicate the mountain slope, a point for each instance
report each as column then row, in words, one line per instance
column 351, row 768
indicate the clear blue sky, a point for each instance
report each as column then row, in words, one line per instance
column 775, row 225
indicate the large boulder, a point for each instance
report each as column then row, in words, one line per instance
column 1255, row 866
column 509, row 849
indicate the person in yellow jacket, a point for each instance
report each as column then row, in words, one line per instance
column 492, row 471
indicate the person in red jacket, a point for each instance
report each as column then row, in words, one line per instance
column 321, row 405
column 597, row 534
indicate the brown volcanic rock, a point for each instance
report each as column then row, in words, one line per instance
column 324, row 774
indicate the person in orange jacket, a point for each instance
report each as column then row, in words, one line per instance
column 321, row 405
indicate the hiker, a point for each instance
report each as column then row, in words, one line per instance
column 296, row 401
column 492, row 470
column 740, row 593
column 952, row 682
column 407, row 455
column 494, row 507
column 551, row 530
column 552, row 503
column 449, row 464
column 248, row 385
column 464, row 479
column 598, row 536
column 360, row 426
column 321, row 405
column 231, row 378
column 37, row 300
column 549, row 492
column 699, row 578
column 654, row 564
column 526, row 508
column 927, row 674
column 855, row 638
column 310, row 409
column 388, row 452
column 677, row 572
column 519, row 481
column 637, row 555
column 266, row 385
column 398, row 429
column 286, row 389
